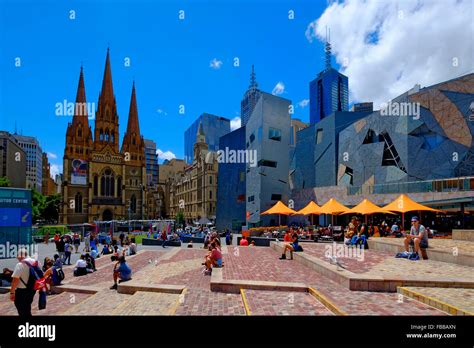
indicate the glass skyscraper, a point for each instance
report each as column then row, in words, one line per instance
column 151, row 163
column 250, row 99
column 213, row 126
column 34, row 161
column 328, row 92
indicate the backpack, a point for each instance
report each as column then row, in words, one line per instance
column 57, row 276
column 36, row 279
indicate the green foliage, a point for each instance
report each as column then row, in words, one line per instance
column 4, row 181
column 45, row 208
column 180, row 218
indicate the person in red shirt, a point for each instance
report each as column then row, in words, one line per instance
column 287, row 237
column 213, row 259
column 244, row 241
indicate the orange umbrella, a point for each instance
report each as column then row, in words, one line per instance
column 366, row 207
column 280, row 209
column 333, row 207
column 405, row 204
column 310, row 209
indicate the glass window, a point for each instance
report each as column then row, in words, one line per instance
column 319, row 136
column 267, row 163
column 274, row 134
column 276, row 197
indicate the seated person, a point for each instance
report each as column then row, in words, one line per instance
column 361, row 237
column 252, row 243
column 81, row 267
column 133, row 248
column 418, row 237
column 94, row 254
column 351, row 230
column 122, row 272
column 293, row 246
column 214, row 258
column 6, row 277
column 58, row 263
column 106, row 250
column 90, row 263
column 244, row 241
column 287, row 236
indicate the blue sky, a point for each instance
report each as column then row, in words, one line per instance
column 169, row 60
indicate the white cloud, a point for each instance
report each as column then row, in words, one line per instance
column 167, row 155
column 303, row 103
column 279, row 88
column 55, row 169
column 235, row 123
column 161, row 112
column 215, row 64
column 386, row 47
column 52, row 155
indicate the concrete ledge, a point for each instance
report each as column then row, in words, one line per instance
column 467, row 235
column 461, row 258
column 84, row 289
column 218, row 284
column 152, row 241
column 433, row 302
column 4, row 289
column 131, row 288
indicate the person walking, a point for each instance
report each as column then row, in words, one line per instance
column 22, row 289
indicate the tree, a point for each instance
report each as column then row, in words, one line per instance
column 180, row 219
column 4, row 181
column 50, row 211
column 37, row 202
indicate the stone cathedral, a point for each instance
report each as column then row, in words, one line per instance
column 101, row 180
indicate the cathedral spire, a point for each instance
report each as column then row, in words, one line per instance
column 107, row 91
column 133, row 126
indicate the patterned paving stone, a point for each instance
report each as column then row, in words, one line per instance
column 284, row 303
column 457, row 297
column 56, row 304
column 206, row 302
column 102, row 303
column 147, row 303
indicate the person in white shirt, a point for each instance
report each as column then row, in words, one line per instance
column 19, row 293
column 81, row 267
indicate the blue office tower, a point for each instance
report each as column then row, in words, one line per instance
column 213, row 126
column 328, row 92
column 231, row 184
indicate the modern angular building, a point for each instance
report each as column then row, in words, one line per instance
column 315, row 158
column 214, row 127
column 12, row 160
column 34, row 161
column 328, row 92
column 420, row 135
column 151, row 163
column 231, row 184
column 267, row 135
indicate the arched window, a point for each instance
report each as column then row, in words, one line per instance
column 107, row 182
column 78, row 203
column 133, row 140
column 133, row 204
column 101, row 135
column 96, row 185
column 106, row 135
column 112, row 136
column 79, row 132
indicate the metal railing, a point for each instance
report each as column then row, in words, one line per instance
column 444, row 185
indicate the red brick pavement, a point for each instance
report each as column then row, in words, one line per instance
column 205, row 302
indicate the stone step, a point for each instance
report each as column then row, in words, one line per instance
column 148, row 303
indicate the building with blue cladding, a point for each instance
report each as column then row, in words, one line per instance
column 315, row 159
column 267, row 135
column 328, row 92
column 214, row 127
column 231, row 183
column 151, row 163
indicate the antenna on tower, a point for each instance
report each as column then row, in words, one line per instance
column 253, row 79
column 327, row 49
